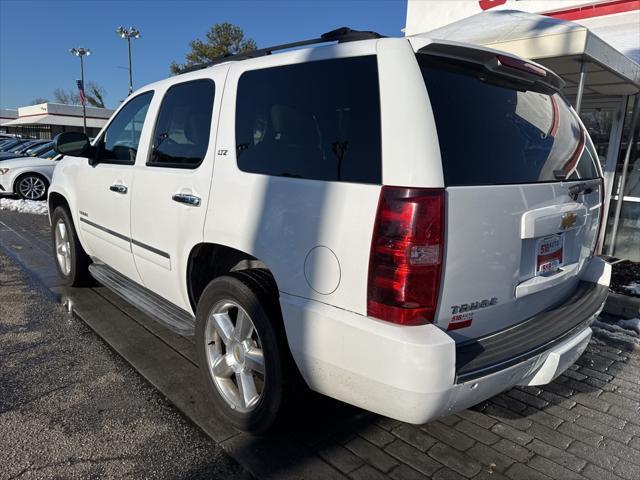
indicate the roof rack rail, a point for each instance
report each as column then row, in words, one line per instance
column 340, row 35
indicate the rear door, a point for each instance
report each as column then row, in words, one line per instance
column 169, row 203
column 522, row 196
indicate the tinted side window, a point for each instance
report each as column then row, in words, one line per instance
column 318, row 120
column 120, row 141
column 181, row 136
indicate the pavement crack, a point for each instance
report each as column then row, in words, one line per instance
column 72, row 462
column 39, row 397
column 24, row 349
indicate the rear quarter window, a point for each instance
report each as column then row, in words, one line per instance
column 317, row 120
column 491, row 134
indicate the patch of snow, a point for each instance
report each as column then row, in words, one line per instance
column 633, row 289
column 24, row 206
column 631, row 324
column 614, row 330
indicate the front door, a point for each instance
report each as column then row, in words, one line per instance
column 104, row 189
column 169, row 202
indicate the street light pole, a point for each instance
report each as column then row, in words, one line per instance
column 130, row 71
column 84, row 107
column 132, row 32
column 81, row 52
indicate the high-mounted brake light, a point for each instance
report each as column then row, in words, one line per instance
column 570, row 165
column 521, row 65
column 406, row 255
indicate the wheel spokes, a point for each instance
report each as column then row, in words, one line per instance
column 244, row 328
column 31, row 187
column 254, row 360
column 236, row 359
column 62, row 248
column 63, row 232
column 246, row 389
column 222, row 366
column 65, row 263
column 223, row 325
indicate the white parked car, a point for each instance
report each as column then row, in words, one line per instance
column 408, row 224
column 28, row 177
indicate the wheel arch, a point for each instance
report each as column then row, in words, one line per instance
column 56, row 200
column 211, row 260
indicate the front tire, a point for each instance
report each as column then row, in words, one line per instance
column 32, row 186
column 72, row 261
column 240, row 352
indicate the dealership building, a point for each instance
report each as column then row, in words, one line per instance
column 595, row 48
column 46, row 120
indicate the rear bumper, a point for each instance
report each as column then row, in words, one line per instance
column 411, row 373
column 499, row 350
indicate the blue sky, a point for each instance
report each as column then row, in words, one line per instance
column 35, row 36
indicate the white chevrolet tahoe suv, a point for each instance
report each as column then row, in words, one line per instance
column 406, row 224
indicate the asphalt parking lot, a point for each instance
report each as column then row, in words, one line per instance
column 72, row 408
column 67, row 399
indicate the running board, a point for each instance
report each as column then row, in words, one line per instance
column 165, row 312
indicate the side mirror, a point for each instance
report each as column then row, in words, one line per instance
column 75, row 144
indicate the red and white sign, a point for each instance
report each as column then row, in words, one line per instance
column 461, row 320
column 549, row 252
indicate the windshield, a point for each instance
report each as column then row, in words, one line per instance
column 35, row 150
column 23, row 147
column 48, row 154
column 493, row 134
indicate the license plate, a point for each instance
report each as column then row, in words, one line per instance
column 549, row 255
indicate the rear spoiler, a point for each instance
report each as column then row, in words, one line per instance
column 525, row 73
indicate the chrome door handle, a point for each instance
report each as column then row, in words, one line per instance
column 119, row 189
column 192, row 200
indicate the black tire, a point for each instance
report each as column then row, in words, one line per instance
column 21, row 186
column 78, row 274
column 255, row 296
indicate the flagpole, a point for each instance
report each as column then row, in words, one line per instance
column 84, row 106
column 81, row 52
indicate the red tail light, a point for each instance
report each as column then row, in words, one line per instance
column 406, row 255
column 521, row 65
column 597, row 246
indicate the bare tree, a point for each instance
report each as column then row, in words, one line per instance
column 93, row 92
column 38, row 100
column 67, row 97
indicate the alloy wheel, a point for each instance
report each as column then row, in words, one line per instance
column 234, row 355
column 32, row 187
column 63, row 247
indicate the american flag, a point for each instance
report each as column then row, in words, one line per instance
column 83, row 99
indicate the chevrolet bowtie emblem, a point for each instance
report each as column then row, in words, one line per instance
column 568, row 221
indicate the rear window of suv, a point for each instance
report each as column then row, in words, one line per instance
column 490, row 134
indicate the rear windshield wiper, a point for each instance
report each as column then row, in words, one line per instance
column 584, row 188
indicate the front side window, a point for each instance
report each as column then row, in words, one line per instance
column 316, row 120
column 119, row 144
column 181, row 136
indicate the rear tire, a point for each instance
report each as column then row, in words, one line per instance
column 241, row 354
column 31, row 186
column 71, row 260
